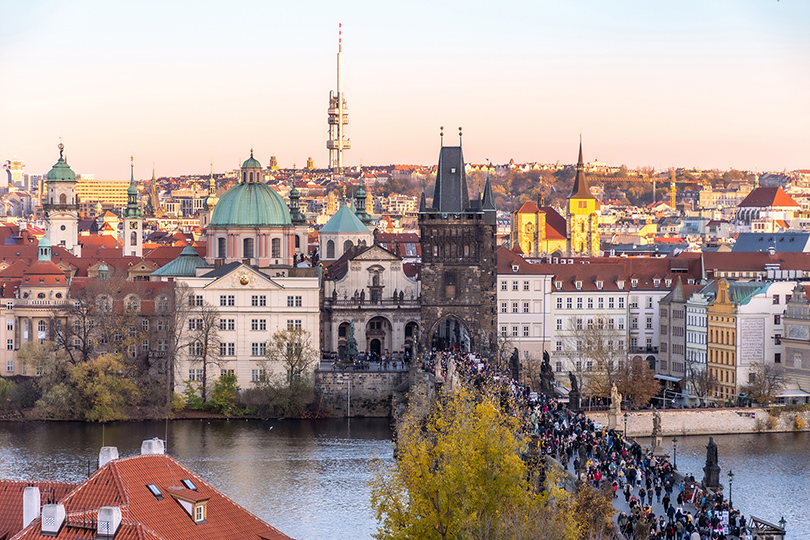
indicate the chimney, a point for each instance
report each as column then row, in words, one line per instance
column 152, row 446
column 31, row 500
column 109, row 519
column 106, row 455
column 53, row 517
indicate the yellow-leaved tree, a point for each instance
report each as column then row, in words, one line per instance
column 104, row 392
column 459, row 474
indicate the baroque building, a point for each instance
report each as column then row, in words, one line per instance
column 459, row 269
column 62, row 206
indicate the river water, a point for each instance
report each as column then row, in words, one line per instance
column 308, row 477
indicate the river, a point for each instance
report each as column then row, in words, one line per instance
column 308, row 477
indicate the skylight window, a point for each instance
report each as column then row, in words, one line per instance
column 188, row 484
column 155, row 491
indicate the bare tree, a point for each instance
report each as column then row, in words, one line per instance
column 292, row 348
column 765, row 381
column 699, row 378
column 203, row 341
column 636, row 382
column 596, row 348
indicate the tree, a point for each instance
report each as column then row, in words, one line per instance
column 459, row 474
column 636, row 382
column 291, row 348
column 595, row 346
column 765, row 382
column 104, row 390
column 203, row 341
column 699, row 378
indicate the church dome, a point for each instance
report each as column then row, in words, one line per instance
column 251, row 162
column 61, row 171
column 250, row 205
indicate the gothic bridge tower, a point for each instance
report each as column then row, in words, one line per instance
column 458, row 272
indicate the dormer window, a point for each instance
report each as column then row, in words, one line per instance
column 599, row 284
column 199, row 512
column 634, row 283
column 620, row 283
column 578, row 285
column 668, row 283
column 558, row 284
column 657, row 282
column 194, row 503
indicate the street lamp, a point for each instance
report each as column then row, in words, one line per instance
column 625, row 426
column 675, row 453
column 730, row 480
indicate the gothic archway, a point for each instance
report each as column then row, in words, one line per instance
column 450, row 334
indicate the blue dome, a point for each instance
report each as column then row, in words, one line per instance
column 250, row 205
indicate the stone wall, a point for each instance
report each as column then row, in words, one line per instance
column 708, row 421
column 370, row 394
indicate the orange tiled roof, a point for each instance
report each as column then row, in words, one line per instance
column 123, row 482
column 766, row 196
column 11, row 501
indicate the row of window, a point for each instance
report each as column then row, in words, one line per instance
column 515, row 286
column 601, row 322
column 612, row 302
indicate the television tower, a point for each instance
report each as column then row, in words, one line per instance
column 338, row 116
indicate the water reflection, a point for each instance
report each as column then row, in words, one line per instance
column 306, row 478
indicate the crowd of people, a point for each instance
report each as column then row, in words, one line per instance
column 604, row 459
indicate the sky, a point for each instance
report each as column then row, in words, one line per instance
column 703, row 83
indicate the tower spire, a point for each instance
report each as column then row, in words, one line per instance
column 581, row 190
column 338, row 115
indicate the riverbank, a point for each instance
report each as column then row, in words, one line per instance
column 678, row 422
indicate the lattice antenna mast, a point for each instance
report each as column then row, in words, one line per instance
column 338, row 115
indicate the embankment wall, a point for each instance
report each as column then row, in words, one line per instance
column 370, row 394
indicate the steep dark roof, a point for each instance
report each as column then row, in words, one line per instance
column 581, row 190
column 450, row 194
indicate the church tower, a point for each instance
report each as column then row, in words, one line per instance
column 458, row 262
column 581, row 218
column 62, row 206
column 133, row 219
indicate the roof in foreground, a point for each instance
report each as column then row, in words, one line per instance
column 144, row 515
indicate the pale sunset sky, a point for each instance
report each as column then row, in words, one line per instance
column 703, row 83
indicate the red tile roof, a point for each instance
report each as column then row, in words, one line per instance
column 123, row 482
column 11, row 501
column 766, row 196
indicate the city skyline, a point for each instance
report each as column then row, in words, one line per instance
column 688, row 85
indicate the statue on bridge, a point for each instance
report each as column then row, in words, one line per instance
column 574, row 395
column 711, row 478
column 546, row 376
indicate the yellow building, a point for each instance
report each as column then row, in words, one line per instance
column 110, row 192
column 582, row 216
column 721, row 360
column 538, row 230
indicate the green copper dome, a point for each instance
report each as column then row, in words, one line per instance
column 250, row 205
column 251, row 162
column 61, row 171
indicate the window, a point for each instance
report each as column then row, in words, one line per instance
column 223, row 300
column 195, row 349
column 514, row 307
column 195, row 375
column 558, row 366
column 257, row 349
column 579, row 324
column 10, row 366
column 195, row 324
column 649, row 323
column 503, row 285
column 145, row 325
column 9, row 305
column 293, row 324
column 633, row 343
column 275, row 247
column 777, row 319
column 621, row 302
column 10, row 344
column 569, row 303
column 559, row 324
column 649, row 343
column 154, row 490
column 227, row 349
column 600, row 302
column 579, row 344
column 514, row 331
column 258, row 324
column 775, row 299
column 9, row 324
column 514, row 285
column 634, row 323
column 649, row 302
column 559, row 303
column 290, row 301
column 525, row 285
column 330, row 249
column 620, row 325
column 579, row 303
column 258, row 300
column 610, row 303
column 247, row 248
column 558, row 345
column 525, row 331
column 525, row 307
column 777, row 358
column 503, row 307
column 198, row 301
column 221, row 250
column 503, row 331
column 590, row 303
column 257, row 375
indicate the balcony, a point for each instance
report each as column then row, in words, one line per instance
column 649, row 350
column 386, row 303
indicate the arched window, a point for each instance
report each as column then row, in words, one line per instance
column 244, row 176
column 63, row 199
column 275, row 247
column 247, row 248
column 221, row 252
column 297, row 242
column 347, row 246
column 133, row 238
column 330, row 249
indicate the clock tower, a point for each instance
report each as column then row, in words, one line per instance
column 62, row 206
column 133, row 219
